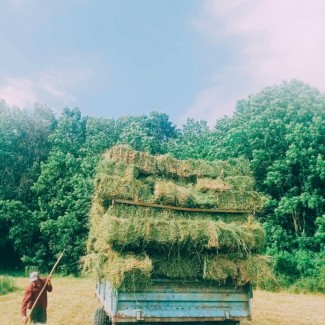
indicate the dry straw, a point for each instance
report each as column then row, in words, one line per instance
column 127, row 272
column 128, row 245
column 186, row 233
column 167, row 165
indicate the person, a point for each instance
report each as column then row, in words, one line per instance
column 38, row 314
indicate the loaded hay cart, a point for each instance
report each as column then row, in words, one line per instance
column 174, row 241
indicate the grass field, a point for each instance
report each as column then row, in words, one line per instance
column 72, row 302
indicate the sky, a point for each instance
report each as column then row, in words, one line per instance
column 185, row 58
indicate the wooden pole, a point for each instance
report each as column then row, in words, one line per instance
column 46, row 282
column 171, row 207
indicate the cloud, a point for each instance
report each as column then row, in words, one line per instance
column 57, row 86
column 47, row 87
column 209, row 105
column 63, row 83
column 19, row 92
column 271, row 41
column 53, row 86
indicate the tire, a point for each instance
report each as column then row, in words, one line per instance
column 100, row 317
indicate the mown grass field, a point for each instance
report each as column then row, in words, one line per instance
column 72, row 302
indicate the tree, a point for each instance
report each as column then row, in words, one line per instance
column 146, row 133
column 24, row 145
column 17, row 231
column 281, row 131
column 193, row 141
column 64, row 195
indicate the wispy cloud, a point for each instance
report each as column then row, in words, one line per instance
column 19, row 92
column 47, row 87
column 56, row 87
column 274, row 40
column 63, row 83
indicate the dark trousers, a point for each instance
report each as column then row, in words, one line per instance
column 38, row 315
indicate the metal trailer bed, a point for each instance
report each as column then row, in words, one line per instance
column 174, row 301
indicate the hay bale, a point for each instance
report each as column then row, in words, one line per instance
column 206, row 184
column 246, row 238
column 125, row 272
column 128, row 174
column 240, row 183
column 114, row 187
column 167, row 165
column 255, row 269
column 125, row 154
column 123, row 210
column 169, row 193
column 127, row 245
column 163, row 232
column 177, row 267
column 220, row 268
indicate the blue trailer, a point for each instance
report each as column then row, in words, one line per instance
column 174, row 301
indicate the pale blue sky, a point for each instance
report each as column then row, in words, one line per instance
column 186, row 58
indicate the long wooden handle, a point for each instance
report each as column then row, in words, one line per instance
column 46, row 282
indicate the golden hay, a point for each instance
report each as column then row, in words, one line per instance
column 189, row 234
column 177, row 267
column 219, row 268
column 240, row 183
column 113, row 187
column 126, row 210
column 126, row 272
column 255, row 269
column 128, row 245
column 205, row 184
column 131, row 272
column 169, row 193
column 167, row 165
column 169, row 181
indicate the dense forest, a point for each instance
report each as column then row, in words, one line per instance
column 47, row 165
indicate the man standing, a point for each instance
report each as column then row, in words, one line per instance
column 32, row 292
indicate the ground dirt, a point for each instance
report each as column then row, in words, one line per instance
column 73, row 302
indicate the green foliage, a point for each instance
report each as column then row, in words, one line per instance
column 63, row 207
column 146, row 133
column 18, row 231
column 23, row 146
column 194, row 141
column 47, row 166
column 7, row 284
column 281, row 131
column 320, row 232
column 310, row 284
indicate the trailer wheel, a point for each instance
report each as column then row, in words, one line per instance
column 100, row 317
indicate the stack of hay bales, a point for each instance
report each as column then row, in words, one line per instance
column 155, row 216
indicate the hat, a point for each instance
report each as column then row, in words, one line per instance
column 33, row 276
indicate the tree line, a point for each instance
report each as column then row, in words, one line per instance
column 47, row 165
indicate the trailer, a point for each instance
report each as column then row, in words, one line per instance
column 174, row 301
